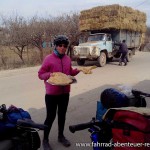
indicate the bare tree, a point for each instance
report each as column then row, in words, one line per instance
column 72, row 22
column 22, row 34
column 3, row 57
column 37, row 34
column 17, row 36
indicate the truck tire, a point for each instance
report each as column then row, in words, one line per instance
column 129, row 56
column 102, row 59
column 80, row 62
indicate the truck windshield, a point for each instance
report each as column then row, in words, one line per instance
column 98, row 37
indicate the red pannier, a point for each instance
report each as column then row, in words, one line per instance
column 131, row 130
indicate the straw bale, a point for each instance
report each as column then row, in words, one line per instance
column 112, row 16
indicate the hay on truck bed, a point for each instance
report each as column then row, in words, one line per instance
column 112, row 17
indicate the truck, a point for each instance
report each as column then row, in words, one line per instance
column 101, row 42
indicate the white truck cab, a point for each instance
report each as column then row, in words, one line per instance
column 97, row 47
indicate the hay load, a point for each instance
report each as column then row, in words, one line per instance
column 112, row 17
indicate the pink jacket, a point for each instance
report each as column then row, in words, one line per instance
column 52, row 63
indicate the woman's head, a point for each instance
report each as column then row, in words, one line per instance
column 61, row 43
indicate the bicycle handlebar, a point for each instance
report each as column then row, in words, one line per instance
column 78, row 127
column 31, row 124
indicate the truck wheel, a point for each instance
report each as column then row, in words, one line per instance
column 102, row 59
column 80, row 62
column 129, row 56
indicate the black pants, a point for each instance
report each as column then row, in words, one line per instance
column 59, row 104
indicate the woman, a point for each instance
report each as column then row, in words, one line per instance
column 56, row 97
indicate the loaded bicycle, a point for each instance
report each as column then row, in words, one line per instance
column 17, row 130
column 118, row 124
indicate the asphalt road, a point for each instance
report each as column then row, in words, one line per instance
column 22, row 88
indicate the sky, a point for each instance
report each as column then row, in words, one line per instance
column 45, row 8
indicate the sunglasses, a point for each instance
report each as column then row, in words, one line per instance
column 63, row 45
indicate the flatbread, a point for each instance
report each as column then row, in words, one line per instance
column 87, row 70
column 59, row 78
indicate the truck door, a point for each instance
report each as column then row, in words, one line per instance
column 108, row 43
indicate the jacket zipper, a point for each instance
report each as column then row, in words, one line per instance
column 62, row 72
column 61, row 65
